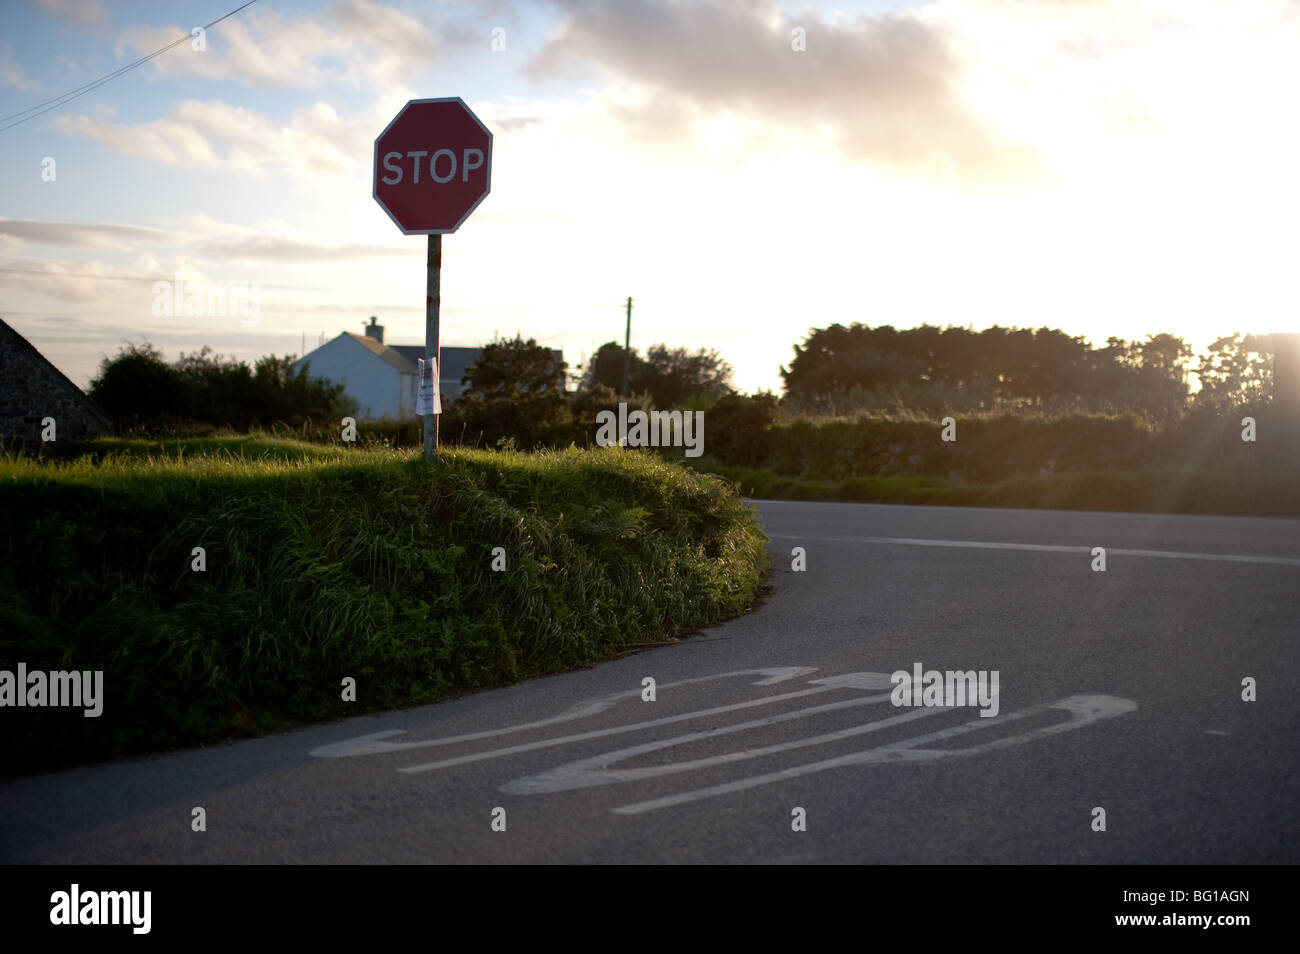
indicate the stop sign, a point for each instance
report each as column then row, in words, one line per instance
column 433, row 165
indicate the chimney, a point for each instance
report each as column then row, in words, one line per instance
column 374, row 330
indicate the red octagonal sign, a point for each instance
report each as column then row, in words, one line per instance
column 433, row 165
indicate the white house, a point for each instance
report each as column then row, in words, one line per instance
column 382, row 377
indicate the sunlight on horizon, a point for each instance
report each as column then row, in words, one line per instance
column 966, row 164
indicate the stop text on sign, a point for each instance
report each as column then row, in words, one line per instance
column 470, row 160
column 432, row 165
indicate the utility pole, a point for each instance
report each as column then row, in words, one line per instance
column 1286, row 374
column 627, row 347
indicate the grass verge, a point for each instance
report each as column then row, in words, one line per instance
column 1242, row 491
column 324, row 563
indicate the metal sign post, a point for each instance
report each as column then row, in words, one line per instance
column 433, row 166
column 432, row 353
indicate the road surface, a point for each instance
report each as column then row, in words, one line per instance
column 1119, row 691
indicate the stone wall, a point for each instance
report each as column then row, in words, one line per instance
column 32, row 389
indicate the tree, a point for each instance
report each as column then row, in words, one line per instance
column 838, row 369
column 1237, row 372
column 672, row 375
column 836, row 362
column 606, row 368
column 515, row 390
column 585, row 406
column 138, row 387
column 221, row 389
column 282, row 394
column 511, row 369
column 1162, row 376
column 739, row 427
column 669, row 375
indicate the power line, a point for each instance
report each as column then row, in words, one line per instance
column 58, row 101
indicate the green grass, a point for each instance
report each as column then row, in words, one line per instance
column 256, row 446
column 1240, row 491
column 327, row 562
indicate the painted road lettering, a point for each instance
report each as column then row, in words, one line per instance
column 1083, row 711
column 373, row 743
column 873, row 688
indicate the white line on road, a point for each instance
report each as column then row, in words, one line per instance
column 372, row 744
column 1083, row 710
column 1050, row 548
column 853, row 680
column 596, row 771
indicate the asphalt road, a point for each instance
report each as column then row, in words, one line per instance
column 1119, row 690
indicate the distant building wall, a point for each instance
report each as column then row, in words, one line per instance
column 32, row 389
column 406, row 399
column 375, row 384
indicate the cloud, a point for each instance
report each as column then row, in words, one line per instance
column 356, row 41
column 958, row 92
column 888, row 86
column 71, row 281
column 81, row 234
column 273, row 248
column 212, row 134
column 86, row 13
column 203, row 238
column 11, row 74
column 402, row 44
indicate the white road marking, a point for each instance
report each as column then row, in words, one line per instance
column 1083, row 710
column 852, row 680
column 1051, row 548
column 596, row 771
column 371, row 744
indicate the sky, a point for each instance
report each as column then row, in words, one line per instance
column 744, row 170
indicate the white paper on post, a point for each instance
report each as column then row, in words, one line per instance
column 428, row 400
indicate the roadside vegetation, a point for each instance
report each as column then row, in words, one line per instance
column 1041, row 419
column 1196, row 464
column 325, row 562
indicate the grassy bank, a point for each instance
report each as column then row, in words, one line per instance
column 324, row 563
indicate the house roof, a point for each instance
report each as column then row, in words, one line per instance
column 412, row 353
column 454, row 360
column 407, row 357
column 385, row 353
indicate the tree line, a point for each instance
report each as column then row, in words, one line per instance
column 518, row 390
column 841, row 369
column 142, row 390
